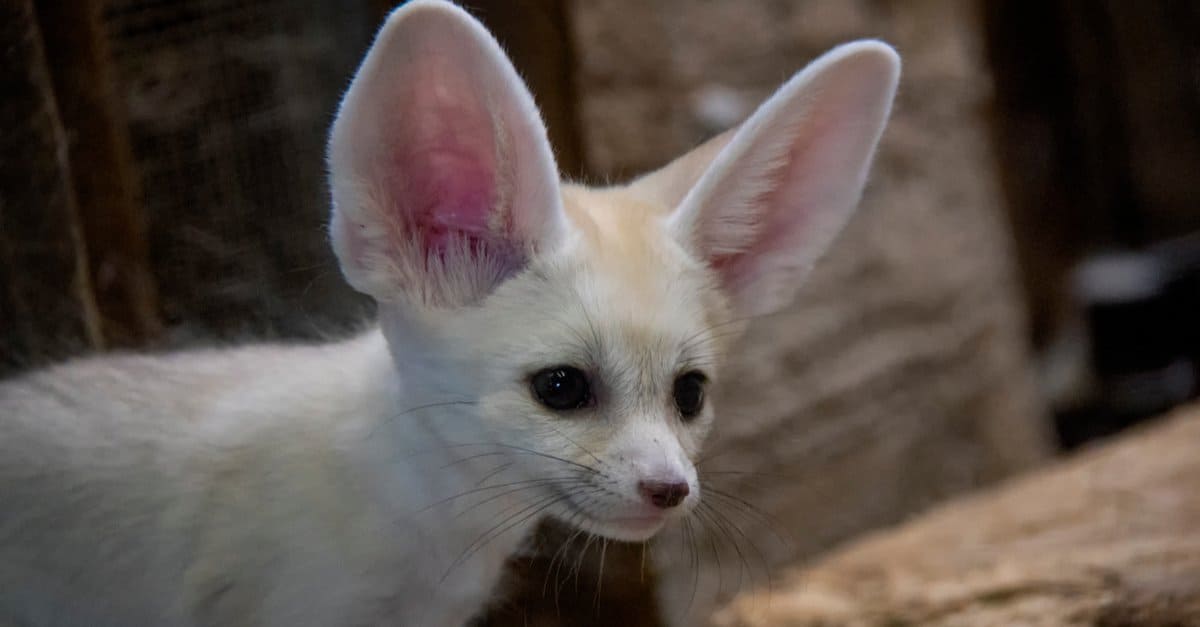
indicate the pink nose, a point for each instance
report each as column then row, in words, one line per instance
column 664, row 494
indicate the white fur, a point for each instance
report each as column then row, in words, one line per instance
column 385, row 479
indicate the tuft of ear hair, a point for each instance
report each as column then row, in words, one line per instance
column 762, row 202
column 442, row 178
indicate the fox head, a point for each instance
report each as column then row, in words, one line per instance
column 581, row 327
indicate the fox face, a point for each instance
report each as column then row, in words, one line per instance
column 576, row 332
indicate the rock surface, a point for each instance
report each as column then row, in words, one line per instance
column 1108, row 538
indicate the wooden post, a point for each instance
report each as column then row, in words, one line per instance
column 1097, row 129
column 47, row 308
column 102, row 169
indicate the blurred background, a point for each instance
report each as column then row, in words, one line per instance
column 1024, row 277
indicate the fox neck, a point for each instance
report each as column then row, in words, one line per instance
column 429, row 371
column 409, row 473
column 425, row 427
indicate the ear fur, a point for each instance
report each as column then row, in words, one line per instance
column 762, row 202
column 442, row 178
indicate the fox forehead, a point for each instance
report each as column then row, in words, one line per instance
column 629, row 265
column 623, row 297
column 624, row 246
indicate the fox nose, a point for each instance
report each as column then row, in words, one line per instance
column 664, row 494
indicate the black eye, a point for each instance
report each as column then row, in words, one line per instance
column 689, row 393
column 561, row 388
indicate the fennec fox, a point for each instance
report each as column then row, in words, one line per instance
column 543, row 349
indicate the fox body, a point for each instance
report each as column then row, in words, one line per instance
column 542, row 351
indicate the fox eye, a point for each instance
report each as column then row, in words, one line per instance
column 561, row 388
column 689, row 393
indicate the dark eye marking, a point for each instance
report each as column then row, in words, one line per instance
column 561, row 388
column 689, row 393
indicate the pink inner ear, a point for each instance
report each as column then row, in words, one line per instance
column 455, row 196
column 445, row 171
column 777, row 219
column 452, row 197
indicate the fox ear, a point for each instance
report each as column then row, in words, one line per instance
column 762, row 202
column 442, row 178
